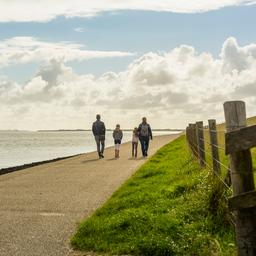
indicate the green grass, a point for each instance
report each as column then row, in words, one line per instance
column 221, row 141
column 168, row 207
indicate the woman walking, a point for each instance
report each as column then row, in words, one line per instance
column 117, row 135
column 135, row 141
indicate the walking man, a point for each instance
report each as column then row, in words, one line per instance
column 99, row 131
column 145, row 134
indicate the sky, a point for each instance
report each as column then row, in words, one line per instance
column 175, row 62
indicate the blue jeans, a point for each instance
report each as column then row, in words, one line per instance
column 144, row 141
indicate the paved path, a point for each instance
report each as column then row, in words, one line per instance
column 40, row 206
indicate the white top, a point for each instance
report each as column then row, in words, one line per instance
column 135, row 138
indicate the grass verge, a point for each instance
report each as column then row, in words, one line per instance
column 168, row 207
column 221, row 142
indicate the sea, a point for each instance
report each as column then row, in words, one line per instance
column 24, row 147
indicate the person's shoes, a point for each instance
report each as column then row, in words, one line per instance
column 146, row 153
column 102, row 156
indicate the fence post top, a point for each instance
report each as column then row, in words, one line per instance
column 235, row 115
column 234, row 102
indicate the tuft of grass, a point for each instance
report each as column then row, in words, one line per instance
column 170, row 206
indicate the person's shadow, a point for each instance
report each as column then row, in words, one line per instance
column 90, row 160
column 112, row 159
column 136, row 158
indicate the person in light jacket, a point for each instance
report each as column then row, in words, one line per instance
column 117, row 136
column 135, row 140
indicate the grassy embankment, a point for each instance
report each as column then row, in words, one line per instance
column 221, row 141
column 170, row 206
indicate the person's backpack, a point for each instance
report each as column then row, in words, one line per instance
column 144, row 130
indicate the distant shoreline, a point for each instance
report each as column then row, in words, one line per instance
column 7, row 170
column 88, row 130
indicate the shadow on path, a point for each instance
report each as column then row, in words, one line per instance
column 90, row 160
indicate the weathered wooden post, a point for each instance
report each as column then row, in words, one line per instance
column 244, row 197
column 214, row 145
column 190, row 136
column 194, row 140
column 200, row 142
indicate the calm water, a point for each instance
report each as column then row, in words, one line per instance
column 17, row 148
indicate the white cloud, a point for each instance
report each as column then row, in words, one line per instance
column 237, row 58
column 79, row 30
column 172, row 89
column 29, row 49
column 46, row 10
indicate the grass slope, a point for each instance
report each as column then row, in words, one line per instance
column 251, row 120
column 169, row 207
column 221, row 142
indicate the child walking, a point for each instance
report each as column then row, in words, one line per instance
column 135, row 141
column 117, row 135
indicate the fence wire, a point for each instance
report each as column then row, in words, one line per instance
column 196, row 149
column 216, row 146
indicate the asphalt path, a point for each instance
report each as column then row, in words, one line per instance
column 41, row 206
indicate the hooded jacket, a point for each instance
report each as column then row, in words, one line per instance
column 98, row 128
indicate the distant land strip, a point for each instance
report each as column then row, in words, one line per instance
column 128, row 130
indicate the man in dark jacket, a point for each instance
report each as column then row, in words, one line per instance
column 145, row 134
column 99, row 131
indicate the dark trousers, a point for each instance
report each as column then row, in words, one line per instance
column 134, row 149
column 144, row 141
column 100, row 141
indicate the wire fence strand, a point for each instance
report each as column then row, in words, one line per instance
column 195, row 149
column 210, row 167
column 215, row 131
column 216, row 146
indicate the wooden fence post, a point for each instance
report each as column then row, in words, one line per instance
column 200, row 142
column 190, row 136
column 242, row 181
column 214, row 145
column 194, row 140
